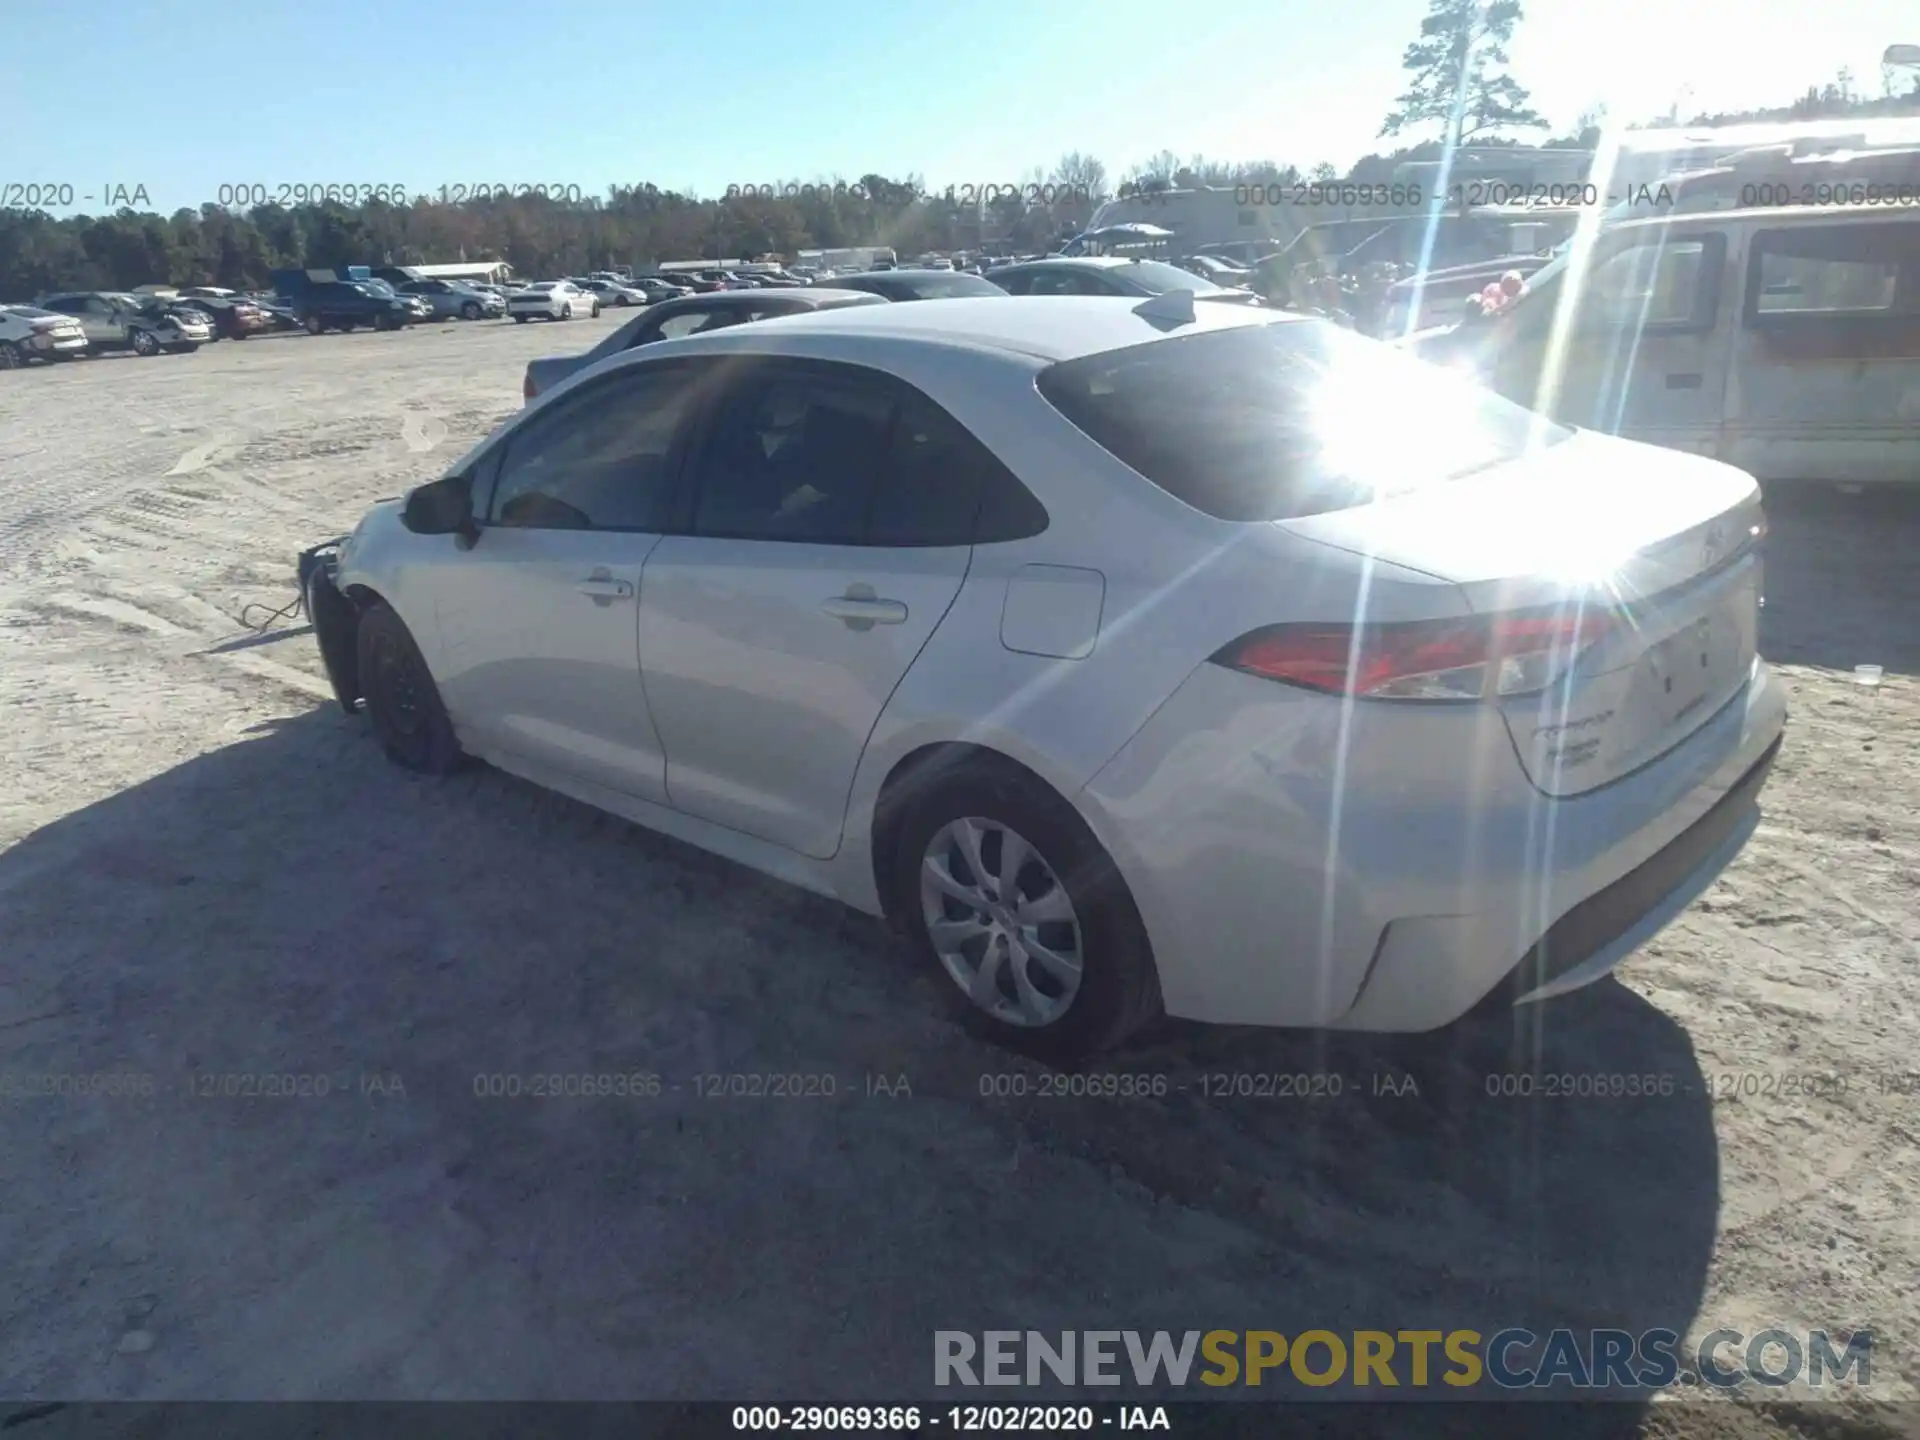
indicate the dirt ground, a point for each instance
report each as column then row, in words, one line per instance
column 206, row 869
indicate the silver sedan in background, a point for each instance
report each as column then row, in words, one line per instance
column 1130, row 657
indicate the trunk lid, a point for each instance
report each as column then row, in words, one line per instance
column 1662, row 541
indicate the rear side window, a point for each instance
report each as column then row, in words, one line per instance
column 943, row 487
column 1284, row 419
column 796, row 456
column 1837, row 270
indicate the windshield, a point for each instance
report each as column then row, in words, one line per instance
column 1159, row 277
column 1275, row 421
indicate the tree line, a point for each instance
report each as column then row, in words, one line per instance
column 1458, row 92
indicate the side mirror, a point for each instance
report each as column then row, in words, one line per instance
column 444, row 507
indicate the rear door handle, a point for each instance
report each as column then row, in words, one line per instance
column 863, row 612
column 602, row 588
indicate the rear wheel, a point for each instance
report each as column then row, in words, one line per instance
column 402, row 700
column 519, row 319
column 316, row 326
column 1006, row 891
column 470, row 311
column 143, row 343
column 12, row 357
column 566, row 312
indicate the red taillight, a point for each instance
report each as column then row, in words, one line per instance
column 1475, row 658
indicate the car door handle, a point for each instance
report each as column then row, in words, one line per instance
column 861, row 612
column 603, row 588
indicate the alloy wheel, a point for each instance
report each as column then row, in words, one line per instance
column 1000, row 921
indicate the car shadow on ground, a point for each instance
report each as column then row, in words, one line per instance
column 1842, row 579
column 292, row 906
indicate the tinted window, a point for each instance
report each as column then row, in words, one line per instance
column 598, row 461
column 795, row 454
column 1160, row 277
column 1272, row 421
column 931, row 488
column 1065, row 282
column 698, row 322
column 944, row 286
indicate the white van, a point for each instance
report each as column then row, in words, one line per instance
column 1784, row 340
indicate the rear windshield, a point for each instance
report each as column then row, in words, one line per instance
column 946, row 285
column 1281, row 420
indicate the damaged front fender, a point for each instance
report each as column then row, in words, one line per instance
column 336, row 621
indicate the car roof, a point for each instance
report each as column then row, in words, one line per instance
column 1047, row 328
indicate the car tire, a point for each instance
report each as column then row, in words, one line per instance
column 566, row 311
column 12, row 357
column 595, row 312
column 470, row 311
column 315, row 325
column 143, row 343
column 519, row 319
column 1117, row 990
column 402, row 700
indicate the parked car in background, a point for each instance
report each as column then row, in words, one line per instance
column 1777, row 338
column 28, row 333
column 551, row 300
column 1239, row 705
column 690, row 315
column 348, row 304
column 1110, row 275
column 455, row 299
column 234, row 316
column 612, row 292
column 385, row 290
column 655, row 288
column 115, row 320
column 280, row 311
column 917, row 284
column 1223, row 273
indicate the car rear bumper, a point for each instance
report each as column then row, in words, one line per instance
column 44, row 344
column 1386, row 867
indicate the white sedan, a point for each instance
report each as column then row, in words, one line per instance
column 612, row 292
column 1129, row 656
column 552, row 300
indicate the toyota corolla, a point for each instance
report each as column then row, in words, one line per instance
column 1131, row 658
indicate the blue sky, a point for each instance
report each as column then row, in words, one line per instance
column 699, row 96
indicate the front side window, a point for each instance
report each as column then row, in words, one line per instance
column 1653, row 284
column 598, row 461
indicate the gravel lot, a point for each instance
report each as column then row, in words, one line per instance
column 206, row 868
